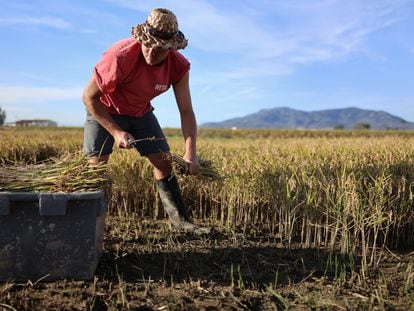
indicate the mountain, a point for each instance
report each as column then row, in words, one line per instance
column 288, row 118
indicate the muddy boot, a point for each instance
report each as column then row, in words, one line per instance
column 174, row 206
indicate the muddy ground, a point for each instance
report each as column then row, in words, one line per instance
column 147, row 266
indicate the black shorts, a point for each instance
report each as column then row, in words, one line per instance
column 98, row 142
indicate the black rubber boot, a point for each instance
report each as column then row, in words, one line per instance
column 174, row 206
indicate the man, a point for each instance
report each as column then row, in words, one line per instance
column 118, row 100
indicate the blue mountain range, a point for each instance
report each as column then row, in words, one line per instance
column 287, row 118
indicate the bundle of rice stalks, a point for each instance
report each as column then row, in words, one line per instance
column 71, row 173
column 206, row 170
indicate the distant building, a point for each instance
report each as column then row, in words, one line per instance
column 36, row 122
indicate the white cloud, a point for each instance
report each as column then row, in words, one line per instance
column 83, row 18
column 48, row 21
column 23, row 94
column 88, row 31
column 60, row 104
column 280, row 34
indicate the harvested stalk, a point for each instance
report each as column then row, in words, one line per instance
column 71, row 173
column 180, row 166
column 206, row 170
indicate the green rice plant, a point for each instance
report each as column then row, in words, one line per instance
column 123, row 302
column 240, row 282
column 282, row 301
column 232, row 283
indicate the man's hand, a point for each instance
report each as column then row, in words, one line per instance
column 123, row 139
column 193, row 164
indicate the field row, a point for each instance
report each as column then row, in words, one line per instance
column 347, row 191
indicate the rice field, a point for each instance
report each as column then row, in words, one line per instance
column 302, row 220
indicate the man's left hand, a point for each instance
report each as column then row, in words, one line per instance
column 192, row 164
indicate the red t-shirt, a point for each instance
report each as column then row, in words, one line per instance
column 129, row 83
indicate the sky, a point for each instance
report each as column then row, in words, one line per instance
column 245, row 55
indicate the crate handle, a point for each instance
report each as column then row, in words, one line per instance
column 53, row 204
column 4, row 204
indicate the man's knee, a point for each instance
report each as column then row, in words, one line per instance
column 161, row 163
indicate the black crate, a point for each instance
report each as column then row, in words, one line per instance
column 51, row 236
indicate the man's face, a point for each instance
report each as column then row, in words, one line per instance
column 154, row 56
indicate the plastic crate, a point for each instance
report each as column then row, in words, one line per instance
column 51, row 236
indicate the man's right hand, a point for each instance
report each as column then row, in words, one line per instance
column 91, row 98
column 122, row 139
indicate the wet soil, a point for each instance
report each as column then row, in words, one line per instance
column 146, row 265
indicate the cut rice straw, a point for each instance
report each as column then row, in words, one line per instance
column 70, row 173
column 206, row 170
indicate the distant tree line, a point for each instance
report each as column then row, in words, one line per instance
column 358, row 126
column 362, row 126
column 2, row 116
